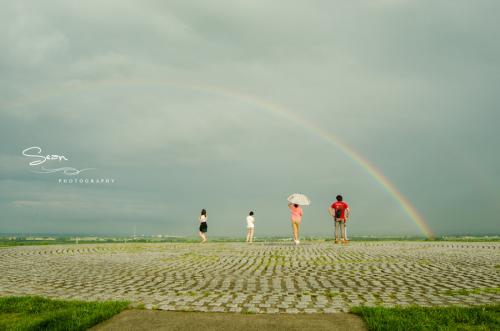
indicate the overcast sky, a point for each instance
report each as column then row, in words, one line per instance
column 149, row 93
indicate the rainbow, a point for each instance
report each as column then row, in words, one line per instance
column 285, row 113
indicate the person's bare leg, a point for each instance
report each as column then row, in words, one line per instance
column 201, row 236
column 297, row 231
column 251, row 235
column 248, row 235
column 337, row 230
column 294, row 228
column 344, row 232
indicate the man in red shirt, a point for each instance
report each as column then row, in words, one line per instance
column 339, row 210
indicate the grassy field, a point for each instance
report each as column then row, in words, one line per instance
column 6, row 241
column 431, row 318
column 36, row 313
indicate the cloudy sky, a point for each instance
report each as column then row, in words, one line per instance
column 173, row 101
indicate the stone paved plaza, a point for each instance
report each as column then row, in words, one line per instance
column 262, row 277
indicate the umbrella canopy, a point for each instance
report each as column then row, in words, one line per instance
column 299, row 199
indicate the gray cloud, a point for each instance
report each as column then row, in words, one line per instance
column 128, row 88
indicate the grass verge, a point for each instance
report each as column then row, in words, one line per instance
column 37, row 313
column 431, row 318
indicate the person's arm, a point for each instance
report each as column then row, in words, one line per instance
column 331, row 211
column 290, row 206
column 347, row 213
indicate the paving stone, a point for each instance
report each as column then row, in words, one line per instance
column 263, row 278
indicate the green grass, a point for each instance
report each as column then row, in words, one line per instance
column 37, row 313
column 332, row 294
column 7, row 241
column 492, row 290
column 324, row 261
column 431, row 318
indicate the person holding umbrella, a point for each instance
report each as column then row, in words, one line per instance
column 295, row 200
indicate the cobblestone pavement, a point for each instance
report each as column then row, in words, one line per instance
column 263, row 277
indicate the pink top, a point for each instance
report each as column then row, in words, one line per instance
column 296, row 212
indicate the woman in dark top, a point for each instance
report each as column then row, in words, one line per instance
column 203, row 226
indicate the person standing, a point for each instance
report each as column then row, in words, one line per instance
column 203, row 225
column 250, row 227
column 296, row 218
column 339, row 210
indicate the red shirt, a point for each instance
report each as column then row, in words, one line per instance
column 342, row 206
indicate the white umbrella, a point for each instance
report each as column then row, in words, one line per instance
column 299, row 199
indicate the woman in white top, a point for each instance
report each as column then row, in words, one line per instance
column 250, row 227
column 203, row 225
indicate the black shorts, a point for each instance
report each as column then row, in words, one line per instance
column 203, row 227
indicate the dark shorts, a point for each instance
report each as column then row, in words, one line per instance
column 203, row 227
